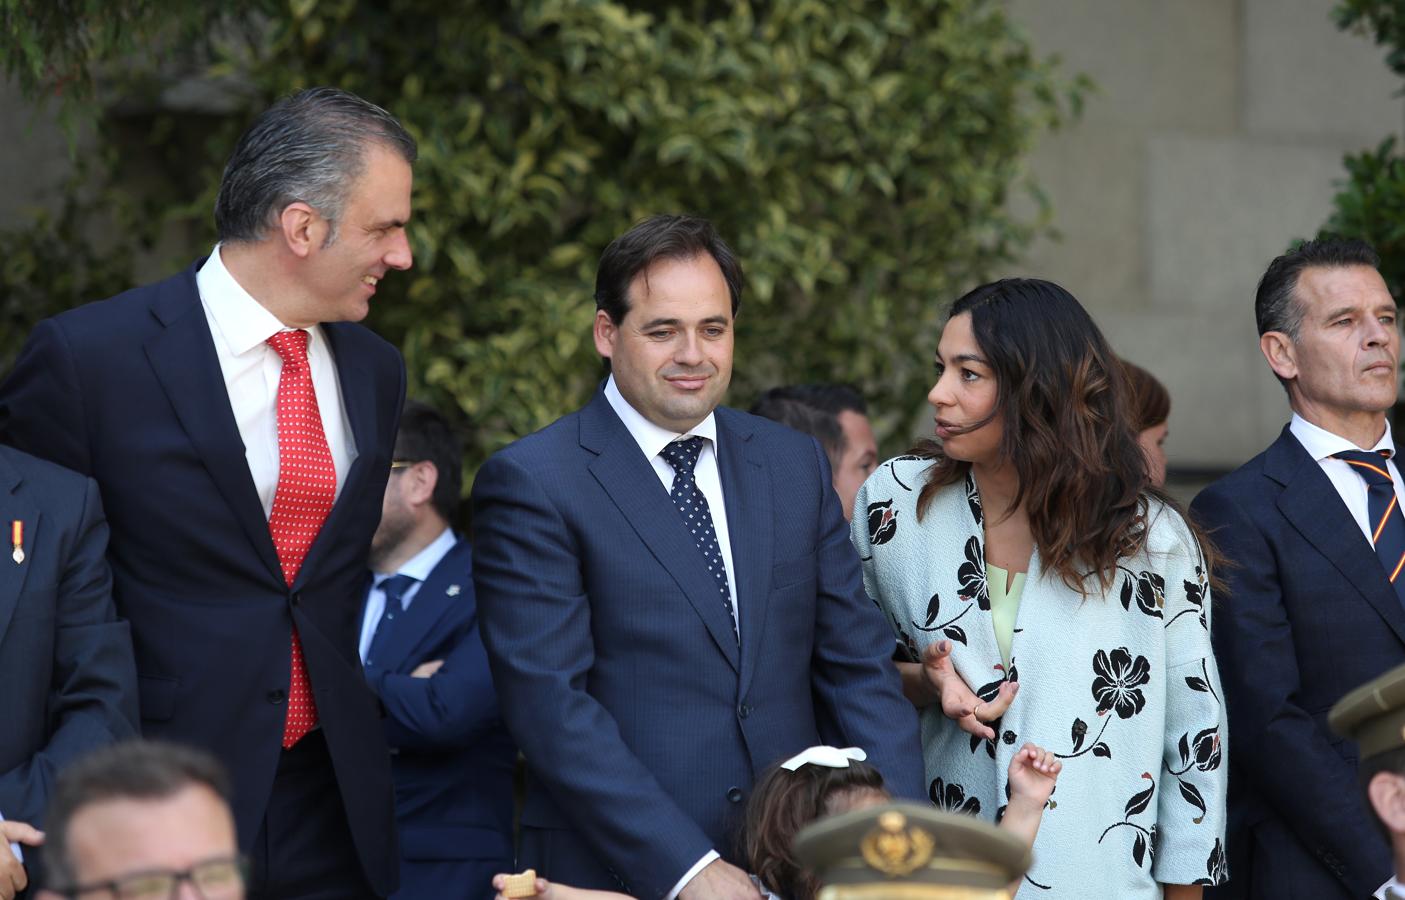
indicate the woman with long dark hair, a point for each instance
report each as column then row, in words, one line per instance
column 1026, row 548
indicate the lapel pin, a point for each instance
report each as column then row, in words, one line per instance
column 17, row 539
column 453, row 590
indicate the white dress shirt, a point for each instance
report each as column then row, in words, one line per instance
column 652, row 439
column 240, row 326
column 1390, row 890
column 1320, row 444
column 419, row 567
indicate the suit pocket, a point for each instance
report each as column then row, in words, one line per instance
column 793, row 572
column 157, row 696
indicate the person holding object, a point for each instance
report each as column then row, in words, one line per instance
column 667, row 595
column 1027, row 548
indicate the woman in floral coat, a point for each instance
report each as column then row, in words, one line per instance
column 1027, row 556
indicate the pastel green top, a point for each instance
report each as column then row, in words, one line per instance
column 1004, row 604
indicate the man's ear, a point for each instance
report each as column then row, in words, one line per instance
column 605, row 332
column 419, row 483
column 1281, row 354
column 1387, row 793
column 302, row 228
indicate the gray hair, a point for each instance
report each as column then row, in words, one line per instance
column 310, row 147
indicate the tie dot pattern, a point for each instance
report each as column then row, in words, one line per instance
column 1387, row 522
column 307, row 487
column 692, row 505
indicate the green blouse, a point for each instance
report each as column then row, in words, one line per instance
column 1004, row 604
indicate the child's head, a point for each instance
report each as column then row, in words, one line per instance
column 791, row 795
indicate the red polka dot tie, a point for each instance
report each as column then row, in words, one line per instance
column 307, row 487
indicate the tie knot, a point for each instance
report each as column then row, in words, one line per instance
column 683, row 455
column 1369, row 464
column 395, row 587
column 291, row 346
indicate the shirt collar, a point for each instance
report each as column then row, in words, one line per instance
column 653, row 438
column 244, row 322
column 421, row 565
column 1321, row 443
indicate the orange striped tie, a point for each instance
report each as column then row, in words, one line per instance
column 1387, row 522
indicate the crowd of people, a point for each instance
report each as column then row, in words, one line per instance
column 244, row 651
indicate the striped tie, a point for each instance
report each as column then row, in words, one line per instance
column 1387, row 522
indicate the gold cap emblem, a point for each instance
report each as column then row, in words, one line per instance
column 895, row 849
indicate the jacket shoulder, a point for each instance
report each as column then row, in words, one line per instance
column 44, row 477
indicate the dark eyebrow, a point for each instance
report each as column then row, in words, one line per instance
column 1339, row 311
column 677, row 323
column 964, row 357
column 391, row 223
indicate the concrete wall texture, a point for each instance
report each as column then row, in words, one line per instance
column 1214, row 140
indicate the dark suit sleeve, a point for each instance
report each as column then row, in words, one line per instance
column 93, row 682
column 41, row 403
column 1278, row 747
column 853, row 678
column 536, row 622
column 452, row 709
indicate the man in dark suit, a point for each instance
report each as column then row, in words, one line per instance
column 668, row 597
column 1311, row 609
column 240, row 426
column 67, row 681
column 424, row 658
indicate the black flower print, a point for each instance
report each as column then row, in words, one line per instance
column 1143, row 839
column 973, row 500
column 1195, row 596
column 1147, row 588
column 1118, row 680
column 986, row 693
column 1215, row 867
column 882, row 522
column 893, row 470
column 952, row 798
column 949, row 628
column 1206, row 748
column 971, row 575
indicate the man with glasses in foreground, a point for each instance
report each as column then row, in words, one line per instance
column 142, row 821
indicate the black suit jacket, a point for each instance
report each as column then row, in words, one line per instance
column 129, row 391
column 1308, row 616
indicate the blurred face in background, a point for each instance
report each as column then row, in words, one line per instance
column 1153, row 441
column 858, row 460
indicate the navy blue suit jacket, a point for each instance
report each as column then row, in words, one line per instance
column 67, row 680
column 1309, row 615
column 129, row 391
column 451, row 754
column 643, row 723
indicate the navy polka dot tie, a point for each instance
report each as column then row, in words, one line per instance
column 692, row 505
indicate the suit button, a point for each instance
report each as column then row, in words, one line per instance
column 744, row 710
column 734, row 794
column 276, row 696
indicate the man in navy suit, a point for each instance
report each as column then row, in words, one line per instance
column 424, row 658
column 1311, row 610
column 67, row 681
column 668, row 598
column 240, row 427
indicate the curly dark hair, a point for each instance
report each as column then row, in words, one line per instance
column 1065, row 404
column 782, row 803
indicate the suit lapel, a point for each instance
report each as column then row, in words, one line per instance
column 449, row 584
column 12, row 574
column 183, row 358
column 358, row 397
column 747, row 492
column 632, row 484
column 1312, row 505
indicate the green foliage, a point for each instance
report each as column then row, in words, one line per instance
column 1370, row 200
column 860, row 158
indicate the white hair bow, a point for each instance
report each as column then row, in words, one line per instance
column 833, row 757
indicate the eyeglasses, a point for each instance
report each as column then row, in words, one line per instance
column 221, row 878
column 402, row 463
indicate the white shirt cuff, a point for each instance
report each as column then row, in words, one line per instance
column 688, row 876
column 19, row 854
